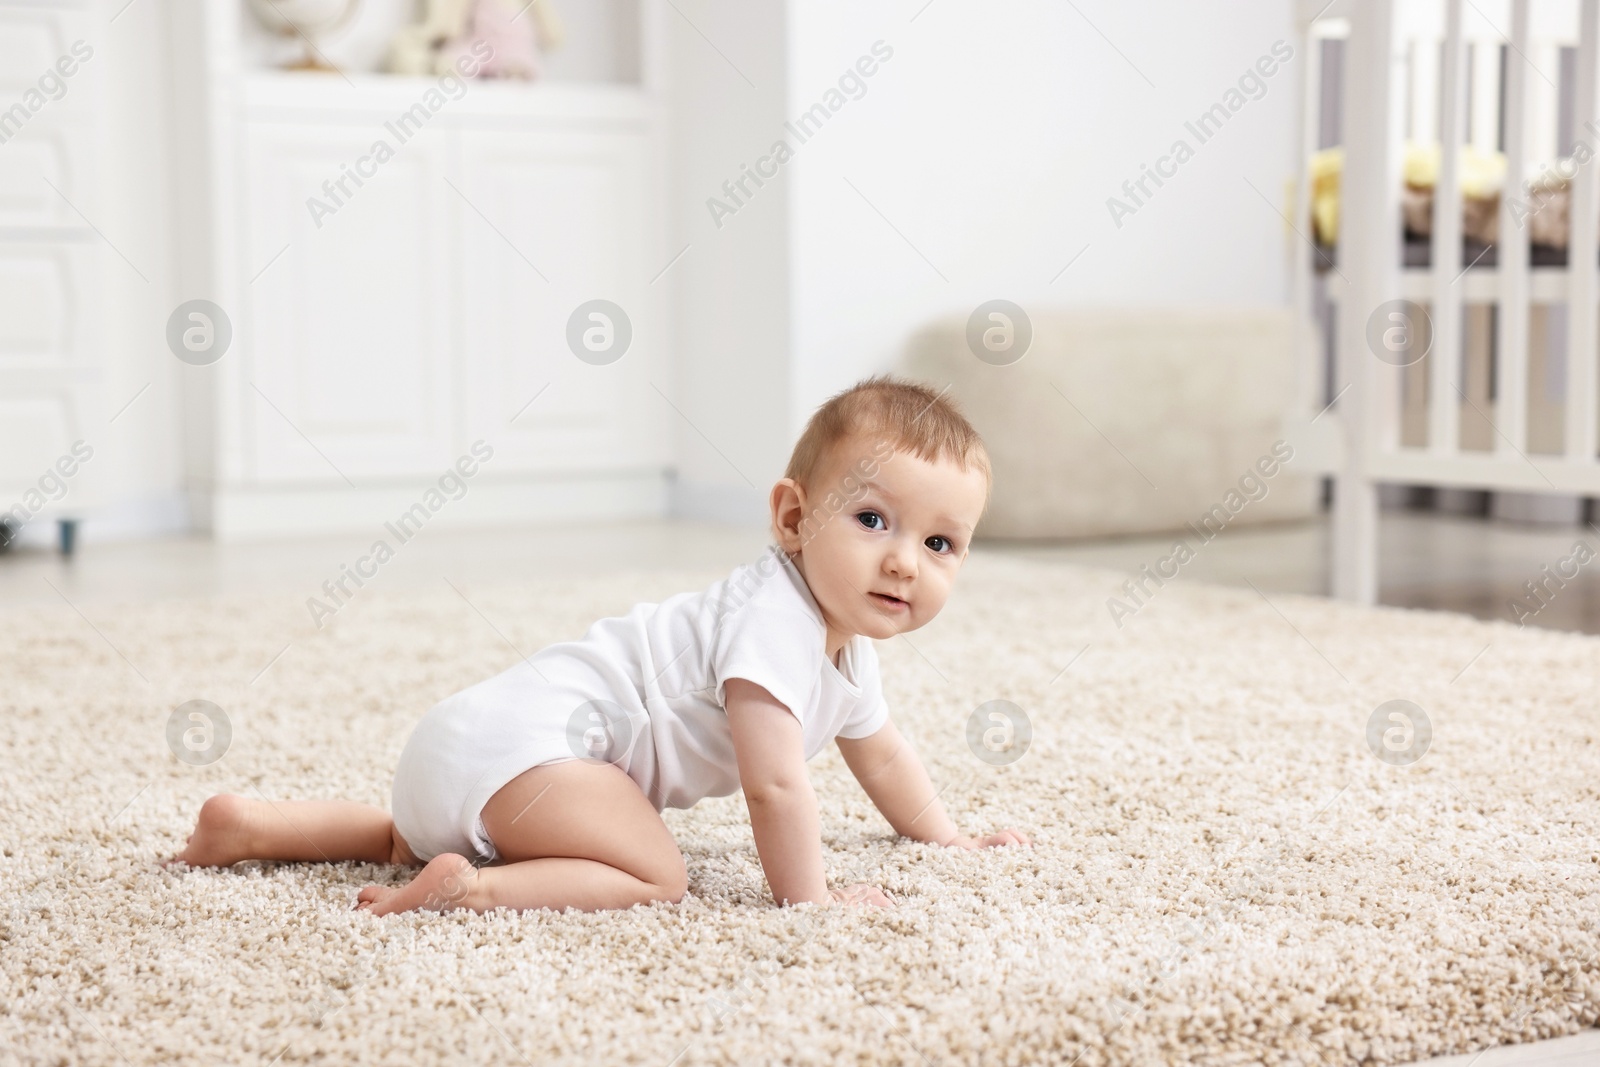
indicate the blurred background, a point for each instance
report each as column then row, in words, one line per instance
column 517, row 288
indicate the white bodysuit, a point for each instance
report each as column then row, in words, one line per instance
column 643, row 690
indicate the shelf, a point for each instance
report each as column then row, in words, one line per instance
column 295, row 96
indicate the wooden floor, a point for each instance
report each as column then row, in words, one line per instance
column 1476, row 566
column 1447, row 563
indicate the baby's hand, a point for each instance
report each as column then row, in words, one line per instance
column 862, row 895
column 1004, row 837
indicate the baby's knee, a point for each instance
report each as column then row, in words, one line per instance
column 674, row 884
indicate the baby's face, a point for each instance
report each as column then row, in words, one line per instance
column 885, row 563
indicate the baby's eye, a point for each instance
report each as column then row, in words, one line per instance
column 947, row 542
column 861, row 518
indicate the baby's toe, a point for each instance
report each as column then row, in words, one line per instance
column 371, row 895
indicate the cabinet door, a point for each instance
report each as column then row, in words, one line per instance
column 37, row 42
column 48, row 365
column 549, row 220
column 47, row 174
column 51, row 61
column 48, row 295
column 346, row 356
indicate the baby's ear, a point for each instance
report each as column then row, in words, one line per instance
column 787, row 506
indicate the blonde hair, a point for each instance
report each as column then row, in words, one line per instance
column 906, row 414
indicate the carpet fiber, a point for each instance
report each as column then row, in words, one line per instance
column 1224, row 872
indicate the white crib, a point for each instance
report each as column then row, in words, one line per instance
column 1485, row 409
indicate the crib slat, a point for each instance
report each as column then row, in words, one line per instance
column 1511, row 370
column 1485, row 95
column 1583, row 252
column 1369, row 226
column 1444, row 358
column 1422, row 120
column 1544, row 100
column 1308, row 377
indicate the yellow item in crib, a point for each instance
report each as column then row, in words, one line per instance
column 1326, row 166
column 1482, row 174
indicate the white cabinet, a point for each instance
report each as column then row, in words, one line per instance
column 392, row 307
column 385, row 325
column 50, row 259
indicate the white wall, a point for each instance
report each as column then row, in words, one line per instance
column 992, row 139
column 732, row 287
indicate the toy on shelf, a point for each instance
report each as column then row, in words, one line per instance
column 450, row 29
column 306, row 19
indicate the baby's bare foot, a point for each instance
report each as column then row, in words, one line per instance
column 221, row 834
column 448, row 881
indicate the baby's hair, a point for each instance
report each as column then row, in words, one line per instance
column 906, row 414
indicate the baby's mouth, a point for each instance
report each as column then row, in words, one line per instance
column 889, row 603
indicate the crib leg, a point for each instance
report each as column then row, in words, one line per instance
column 1355, row 539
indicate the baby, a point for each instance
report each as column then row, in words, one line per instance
column 543, row 786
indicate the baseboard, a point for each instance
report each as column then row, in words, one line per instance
column 246, row 514
column 250, row 513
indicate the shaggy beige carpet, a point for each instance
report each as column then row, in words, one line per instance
column 1224, row 871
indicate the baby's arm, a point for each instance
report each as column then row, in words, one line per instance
column 783, row 807
column 892, row 775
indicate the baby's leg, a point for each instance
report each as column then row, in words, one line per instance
column 233, row 828
column 573, row 834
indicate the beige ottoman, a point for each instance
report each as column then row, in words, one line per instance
column 1129, row 421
